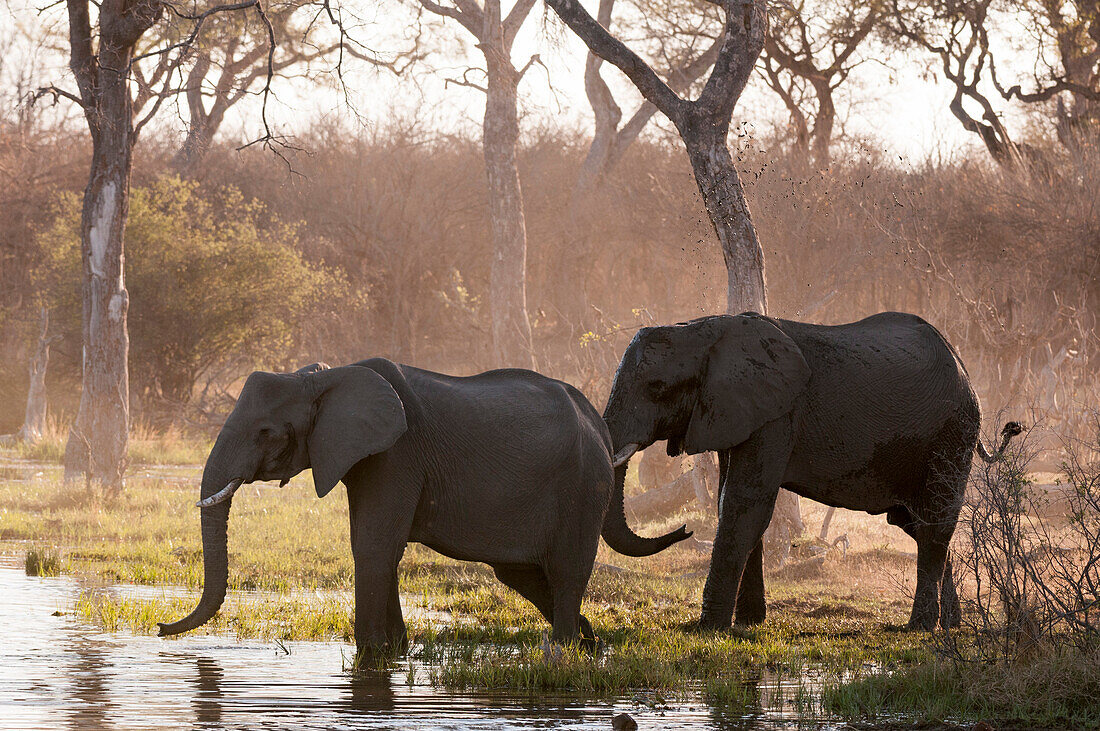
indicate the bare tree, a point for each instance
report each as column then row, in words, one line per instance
column 808, row 53
column 703, row 124
column 230, row 61
column 495, row 32
column 1067, row 66
column 1064, row 55
column 957, row 34
column 686, row 50
column 102, row 58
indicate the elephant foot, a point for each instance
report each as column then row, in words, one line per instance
column 750, row 617
column 589, row 640
column 922, row 623
column 376, row 657
column 704, row 625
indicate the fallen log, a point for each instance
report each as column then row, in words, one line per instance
column 662, row 500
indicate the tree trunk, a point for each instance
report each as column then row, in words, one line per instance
column 605, row 111
column 823, row 125
column 194, row 148
column 508, row 274
column 34, row 418
column 98, row 440
column 724, row 198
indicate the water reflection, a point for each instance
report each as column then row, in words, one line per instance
column 207, row 701
column 90, row 688
column 369, row 693
column 58, row 671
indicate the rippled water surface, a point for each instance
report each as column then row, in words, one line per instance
column 57, row 671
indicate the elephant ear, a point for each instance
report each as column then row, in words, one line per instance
column 752, row 376
column 357, row 414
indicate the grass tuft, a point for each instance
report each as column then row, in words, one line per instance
column 1056, row 690
column 42, row 562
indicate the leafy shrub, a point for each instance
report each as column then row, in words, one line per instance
column 215, row 281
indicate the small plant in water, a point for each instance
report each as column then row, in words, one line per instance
column 43, row 562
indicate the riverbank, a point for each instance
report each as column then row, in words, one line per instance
column 831, row 624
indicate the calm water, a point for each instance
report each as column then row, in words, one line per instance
column 57, row 671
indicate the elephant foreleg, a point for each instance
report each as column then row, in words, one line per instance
column 375, row 590
column 751, row 608
column 397, row 636
column 754, row 473
column 377, row 542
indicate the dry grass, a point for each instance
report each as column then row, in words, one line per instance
column 148, row 446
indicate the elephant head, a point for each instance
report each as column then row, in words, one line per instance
column 322, row 418
column 703, row 385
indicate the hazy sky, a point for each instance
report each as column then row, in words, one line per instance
column 894, row 102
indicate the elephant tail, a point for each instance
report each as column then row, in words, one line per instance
column 621, row 538
column 1010, row 430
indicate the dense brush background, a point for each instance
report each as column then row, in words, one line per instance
column 375, row 242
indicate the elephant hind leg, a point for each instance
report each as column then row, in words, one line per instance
column 950, row 611
column 931, row 561
column 531, row 583
column 932, row 525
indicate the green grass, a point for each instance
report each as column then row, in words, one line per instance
column 290, row 563
column 1055, row 690
column 42, row 562
column 291, row 566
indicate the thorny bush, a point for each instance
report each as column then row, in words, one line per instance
column 1027, row 557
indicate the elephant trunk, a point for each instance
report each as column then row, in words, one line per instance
column 618, row 534
column 215, row 522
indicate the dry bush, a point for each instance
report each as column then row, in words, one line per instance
column 1028, row 559
column 1006, row 266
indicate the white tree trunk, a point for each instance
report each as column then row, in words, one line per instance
column 508, row 274
column 34, row 418
column 98, row 439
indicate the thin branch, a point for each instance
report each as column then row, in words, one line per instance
column 56, row 92
column 535, row 59
column 464, row 81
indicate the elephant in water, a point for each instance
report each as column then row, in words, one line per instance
column 507, row 467
column 876, row 415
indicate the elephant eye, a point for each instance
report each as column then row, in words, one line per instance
column 272, row 436
column 658, row 388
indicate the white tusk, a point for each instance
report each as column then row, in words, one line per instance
column 623, row 455
column 222, row 495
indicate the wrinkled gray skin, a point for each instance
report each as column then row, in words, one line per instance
column 876, row 415
column 507, row 467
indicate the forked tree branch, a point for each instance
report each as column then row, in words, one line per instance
column 612, row 50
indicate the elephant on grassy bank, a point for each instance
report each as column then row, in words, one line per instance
column 507, row 467
column 876, row 415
